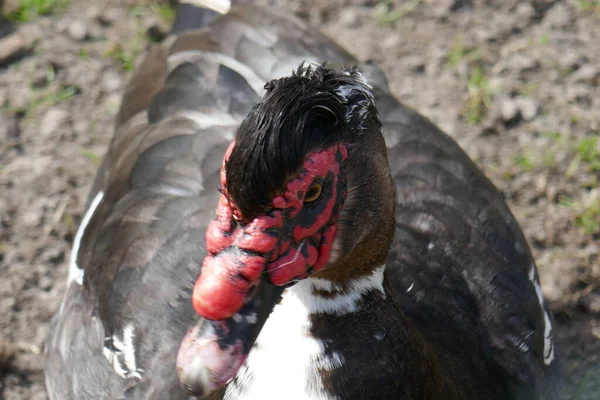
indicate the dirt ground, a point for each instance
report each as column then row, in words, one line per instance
column 516, row 82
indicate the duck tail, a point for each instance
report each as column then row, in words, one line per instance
column 195, row 14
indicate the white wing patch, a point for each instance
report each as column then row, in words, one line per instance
column 548, row 345
column 120, row 352
column 76, row 273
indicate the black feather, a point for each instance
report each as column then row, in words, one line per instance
column 314, row 108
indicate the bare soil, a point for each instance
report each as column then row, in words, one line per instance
column 515, row 82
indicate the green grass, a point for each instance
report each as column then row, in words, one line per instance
column 386, row 13
column 28, row 10
column 84, row 54
column 589, row 219
column 586, row 217
column 565, row 201
column 126, row 56
column 95, row 158
column 69, row 223
column 128, row 52
column 163, row 12
column 480, row 95
column 55, row 96
column 459, row 52
column 589, row 5
column 587, row 149
column 47, row 97
column 524, row 162
column 49, row 94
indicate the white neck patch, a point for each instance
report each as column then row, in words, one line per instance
column 286, row 359
column 345, row 302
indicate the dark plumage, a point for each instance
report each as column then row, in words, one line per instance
column 428, row 289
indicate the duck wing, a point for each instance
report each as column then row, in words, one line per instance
column 140, row 245
column 460, row 265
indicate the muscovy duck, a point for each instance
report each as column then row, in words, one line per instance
column 356, row 252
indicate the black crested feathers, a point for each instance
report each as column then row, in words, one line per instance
column 314, row 108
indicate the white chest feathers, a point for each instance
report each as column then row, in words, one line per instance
column 286, row 359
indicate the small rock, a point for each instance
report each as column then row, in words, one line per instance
column 539, row 236
column 52, row 121
column 350, row 18
column 414, row 63
column 77, row 30
column 528, row 107
column 591, row 303
column 509, row 110
column 32, row 218
column 577, row 92
column 40, row 79
column 81, row 127
column 558, row 16
column 111, row 82
column 20, row 97
column 390, row 41
column 110, row 16
column 443, row 8
column 586, row 74
column 523, row 63
column 45, row 283
column 541, row 183
column 524, row 12
column 8, row 352
column 571, row 61
column 11, row 47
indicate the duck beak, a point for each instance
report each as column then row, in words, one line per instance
column 212, row 352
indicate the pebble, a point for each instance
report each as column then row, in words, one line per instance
column 111, row 82
column 528, row 107
column 11, row 47
column 52, row 121
column 77, row 30
column 508, row 109
column 591, row 303
column 444, row 8
column 558, row 16
column 350, row 18
column 588, row 73
column 45, row 283
column 20, row 97
column 414, row 63
column 110, row 16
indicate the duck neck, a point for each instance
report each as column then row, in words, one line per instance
column 370, row 349
column 327, row 340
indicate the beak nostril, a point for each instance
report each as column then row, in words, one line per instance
column 244, row 277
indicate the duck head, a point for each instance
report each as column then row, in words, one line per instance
column 305, row 191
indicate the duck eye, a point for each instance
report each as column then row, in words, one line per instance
column 313, row 194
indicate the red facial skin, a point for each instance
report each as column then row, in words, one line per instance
column 229, row 271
